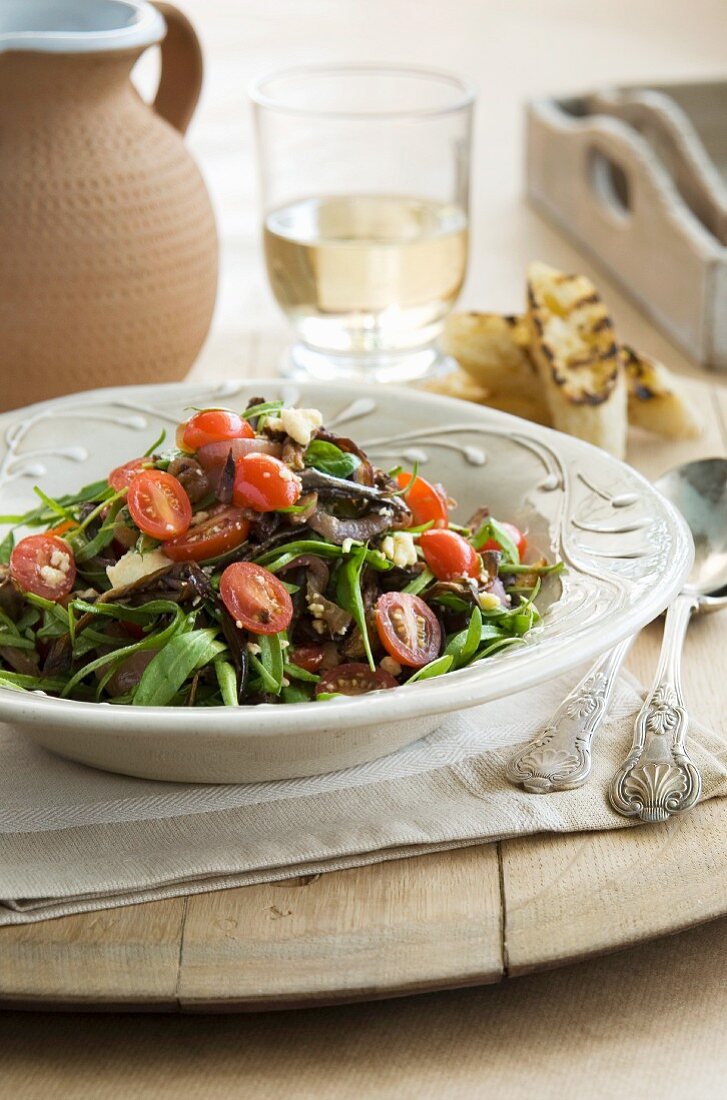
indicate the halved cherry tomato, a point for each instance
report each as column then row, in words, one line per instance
column 43, row 565
column 448, row 555
column 255, row 598
column 159, row 505
column 212, row 426
column 264, row 483
column 222, row 530
column 515, row 534
column 408, row 629
column 310, row 657
column 122, row 476
column 62, row 528
column 354, row 679
column 426, row 504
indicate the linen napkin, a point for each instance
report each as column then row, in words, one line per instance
column 74, row 839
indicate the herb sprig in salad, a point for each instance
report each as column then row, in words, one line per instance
column 262, row 559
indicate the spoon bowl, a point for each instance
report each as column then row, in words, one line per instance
column 699, row 490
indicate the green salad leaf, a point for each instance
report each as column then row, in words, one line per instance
column 463, row 646
column 6, row 547
column 350, row 598
column 227, row 680
column 330, row 459
column 435, row 668
column 491, row 529
column 271, row 659
column 179, row 658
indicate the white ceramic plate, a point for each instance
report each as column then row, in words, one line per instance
column 626, row 549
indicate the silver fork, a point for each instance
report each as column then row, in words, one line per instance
column 559, row 758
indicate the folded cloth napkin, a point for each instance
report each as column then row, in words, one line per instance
column 75, row 839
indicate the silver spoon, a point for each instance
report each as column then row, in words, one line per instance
column 658, row 779
column 559, row 758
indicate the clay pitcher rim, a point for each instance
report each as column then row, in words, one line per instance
column 79, row 26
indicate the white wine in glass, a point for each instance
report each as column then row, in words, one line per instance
column 365, row 186
column 358, row 274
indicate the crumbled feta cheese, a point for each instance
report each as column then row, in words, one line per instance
column 489, row 601
column 400, row 549
column 59, row 559
column 319, row 626
column 133, row 566
column 252, row 647
column 300, row 424
column 316, row 609
column 274, row 423
column 390, row 665
column 346, row 546
column 199, row 517
column 54, row 578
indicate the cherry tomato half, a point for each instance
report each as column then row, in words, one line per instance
column 354, row 679
column 448, row 555
column 255, row 598
column 43, row 565
column 212, row 426
column 515, row 534
column 425, row 503
column 122, row 476
column 264, row 483
column 159, row 505
column 222, row 530
column 309, row 657
column 408, row 629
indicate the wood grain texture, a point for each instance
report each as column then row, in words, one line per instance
column 127, row 957
column 398, row 926
column 648, row 1022
column 569, row 897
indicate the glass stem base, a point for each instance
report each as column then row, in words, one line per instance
column 303, row 362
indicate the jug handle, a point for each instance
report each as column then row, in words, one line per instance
column 181, row 73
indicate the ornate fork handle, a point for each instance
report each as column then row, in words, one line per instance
column 560, row 757
column 658, row 779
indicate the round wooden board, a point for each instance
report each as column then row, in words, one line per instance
column 474, row 915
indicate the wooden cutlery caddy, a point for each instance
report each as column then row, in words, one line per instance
column 638, row 177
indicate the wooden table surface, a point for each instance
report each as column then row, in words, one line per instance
column 633, row 1021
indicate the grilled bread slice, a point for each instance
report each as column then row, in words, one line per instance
column 656, row 399
column 572, row 345
column 494, row 349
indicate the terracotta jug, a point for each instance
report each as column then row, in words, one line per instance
column 108, row 249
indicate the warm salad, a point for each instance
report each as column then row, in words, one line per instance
column 262, row 559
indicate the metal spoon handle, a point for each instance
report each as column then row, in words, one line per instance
column 559, row 758
column 658, row 779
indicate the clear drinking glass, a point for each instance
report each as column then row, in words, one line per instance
column 365, row 187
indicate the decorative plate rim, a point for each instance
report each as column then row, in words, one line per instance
column 467, row 687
